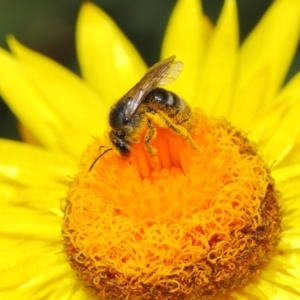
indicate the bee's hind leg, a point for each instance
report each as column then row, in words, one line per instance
column 181, row 131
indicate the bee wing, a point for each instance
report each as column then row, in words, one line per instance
column 162, row 73
column 172, row 73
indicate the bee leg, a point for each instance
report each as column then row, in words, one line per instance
column 151, row 132
column 182, row 131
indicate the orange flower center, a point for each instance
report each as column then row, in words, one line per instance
column 182, row 224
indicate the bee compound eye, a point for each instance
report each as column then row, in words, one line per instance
column 117, row 116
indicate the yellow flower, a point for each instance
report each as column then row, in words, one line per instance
column 63, row 113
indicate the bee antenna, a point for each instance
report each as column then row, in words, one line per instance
column 94, row 162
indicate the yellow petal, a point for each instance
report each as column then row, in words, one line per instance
column 281, row 143
column 109, row 62
column 282, row 277
column 184, row 38
column 279, row 280
column 11, row 76
column 26, row 237
column 26, row 223
column 208, row 30
column 288, row 98
column 293, row 156
column 33, row 265
column 264, row 60
column 277, row 127
column 54, row 105
column 217, row 80
column 290, row 242
column 26, row 135
column 267, row 118
column 40, row 272
column 23, row 165
column 285, row 175
column 290, row 218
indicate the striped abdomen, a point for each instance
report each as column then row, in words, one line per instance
column 170, row 104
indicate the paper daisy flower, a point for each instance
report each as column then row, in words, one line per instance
column 205, row 203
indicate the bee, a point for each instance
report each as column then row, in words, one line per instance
column 134, row 113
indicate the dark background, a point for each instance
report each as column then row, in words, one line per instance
column 48, row 26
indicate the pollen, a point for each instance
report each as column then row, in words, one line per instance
column 184, row 223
